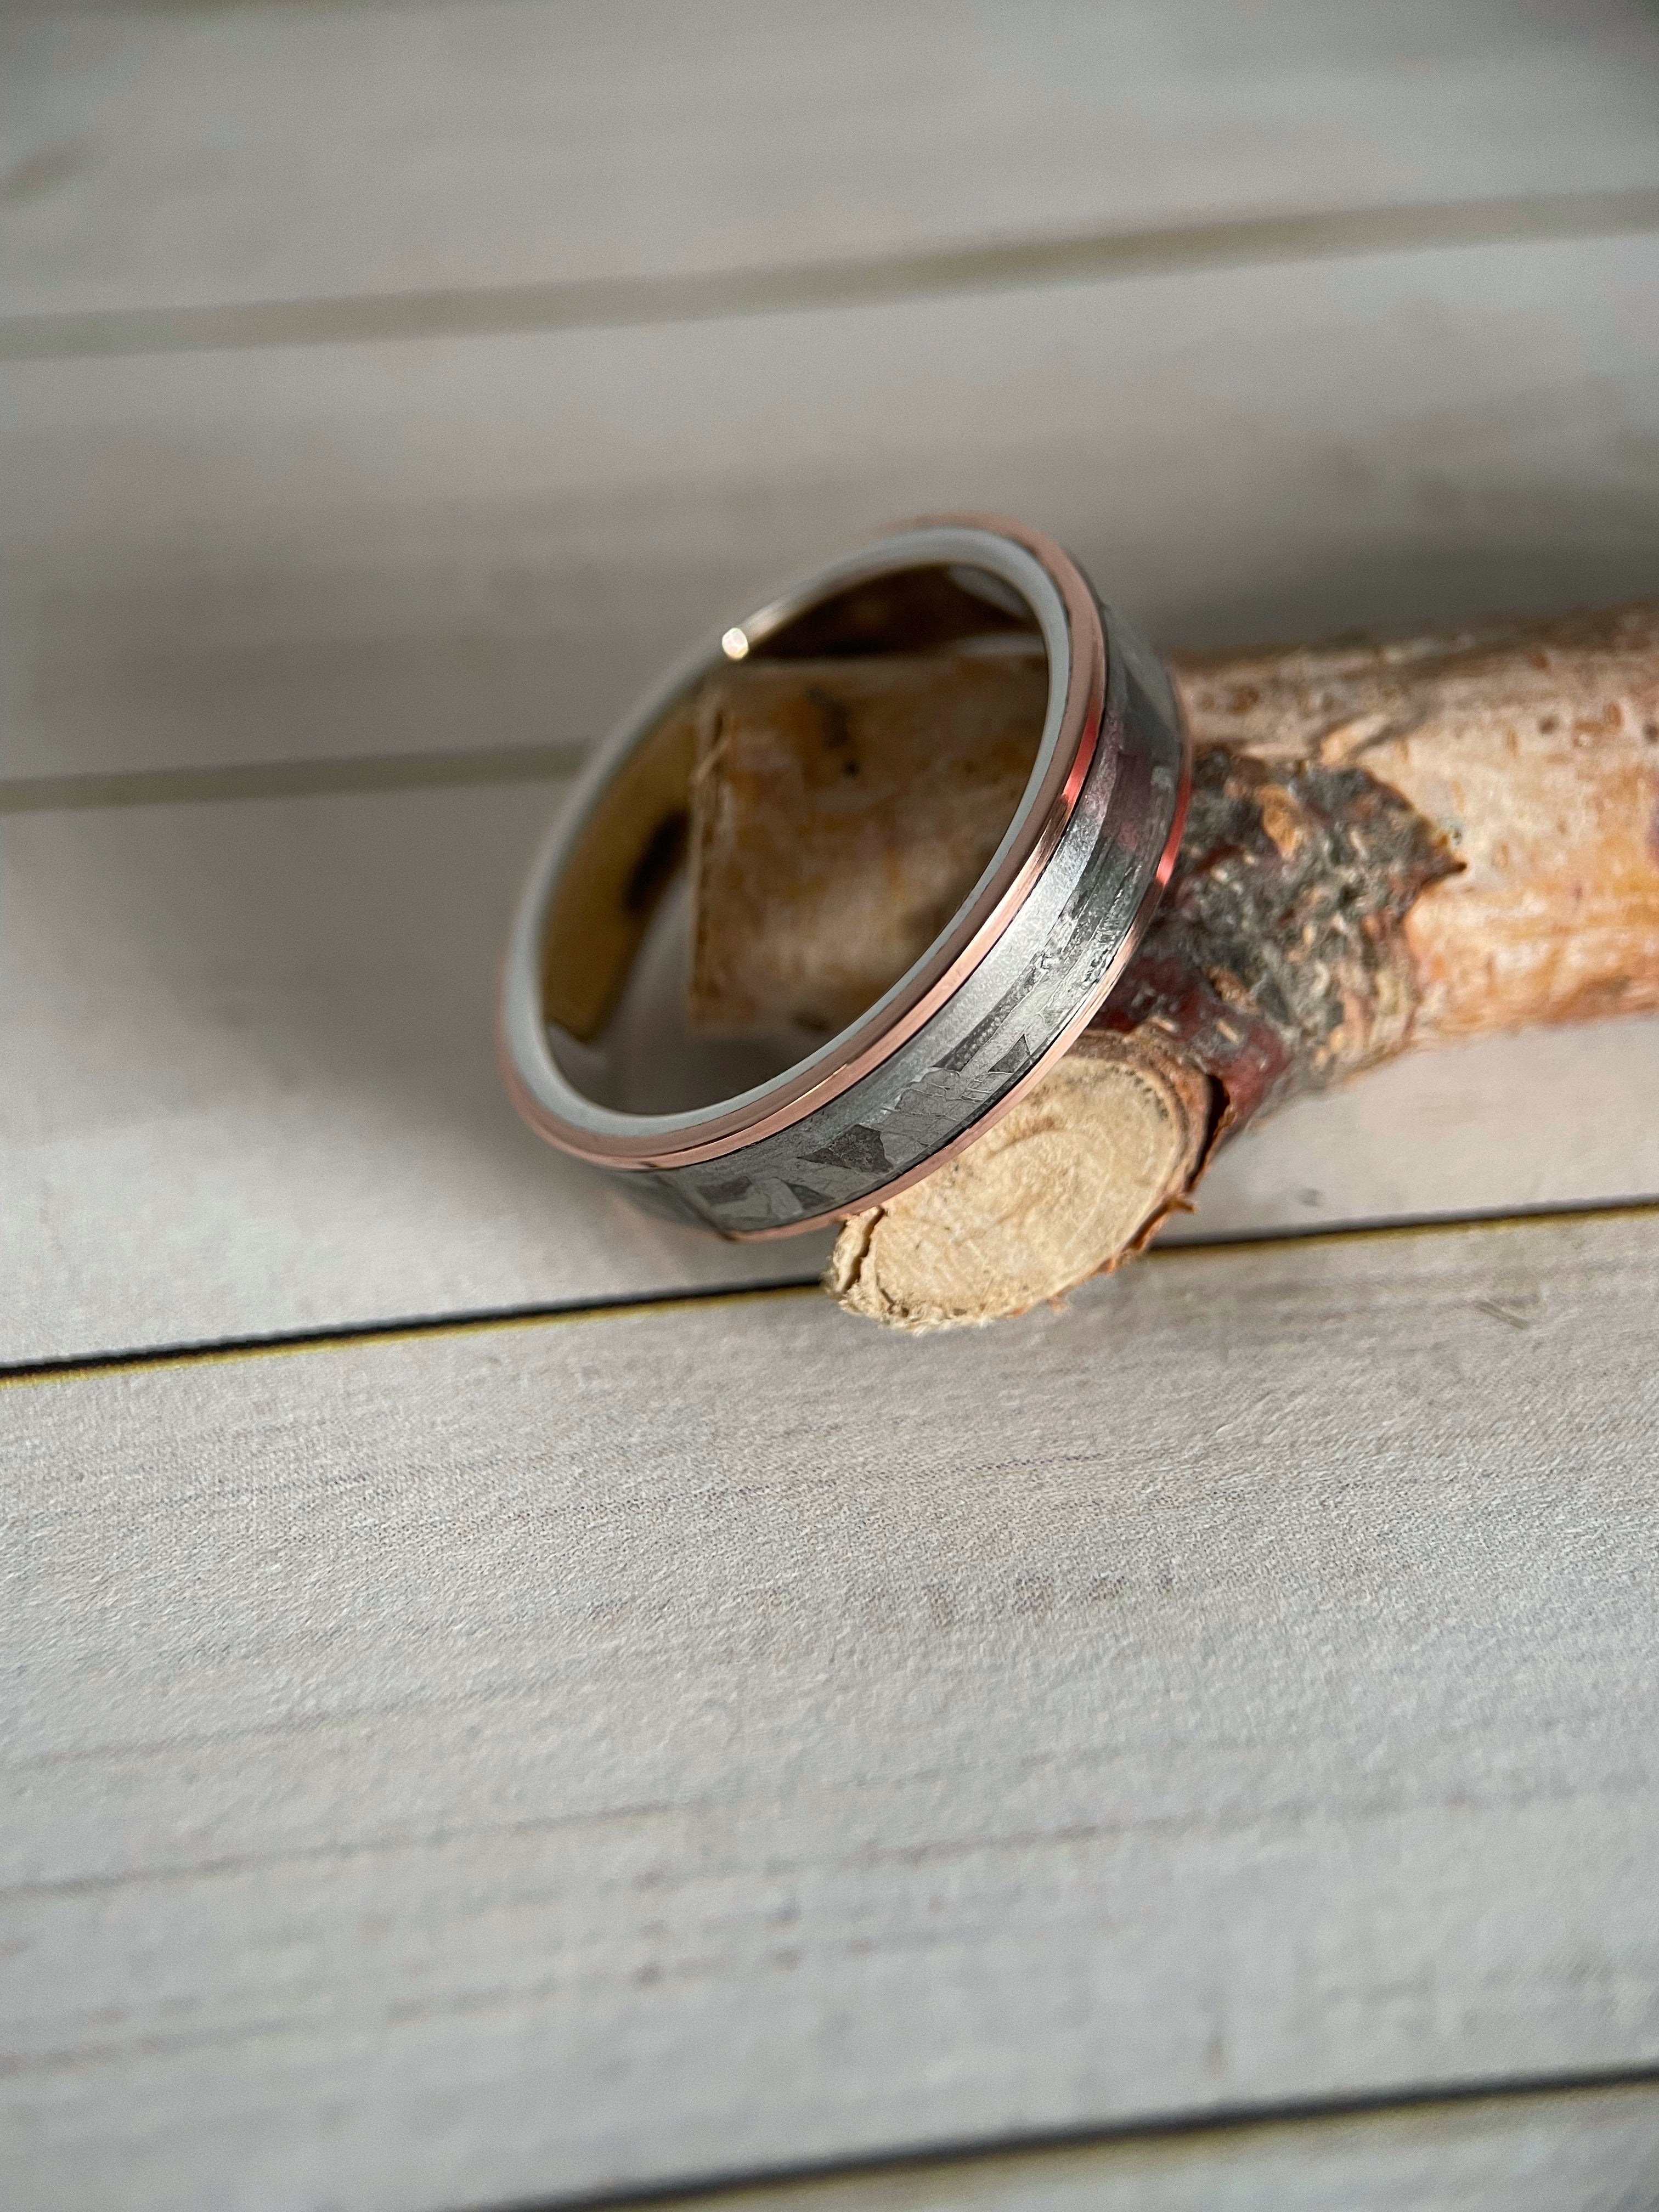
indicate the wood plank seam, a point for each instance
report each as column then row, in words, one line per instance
column 539, row 1316
column 621, row 303
column 332, row 1340
column 475, row 1589
column 459, row 770
column 1252, row 2119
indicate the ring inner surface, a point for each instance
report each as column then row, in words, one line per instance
column 790, row 836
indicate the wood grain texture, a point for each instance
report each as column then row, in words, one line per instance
column 250, row 1083
column 275, row 153
column 337, row 550
column 250, row 1087
column 442, row 1772
column 1580, row 2151
column 447, row 1772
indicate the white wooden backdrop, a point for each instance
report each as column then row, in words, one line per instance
column 678, row 1738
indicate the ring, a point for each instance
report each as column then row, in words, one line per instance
column 592, row 983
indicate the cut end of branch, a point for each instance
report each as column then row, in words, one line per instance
column 1074, row 1178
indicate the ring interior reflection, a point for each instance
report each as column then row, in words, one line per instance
column 618, row 946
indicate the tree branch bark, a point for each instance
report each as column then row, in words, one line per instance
column 1388, row 845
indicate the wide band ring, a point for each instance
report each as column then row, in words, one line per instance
column 1025, row 961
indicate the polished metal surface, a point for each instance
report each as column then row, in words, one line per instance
column 1023, row 968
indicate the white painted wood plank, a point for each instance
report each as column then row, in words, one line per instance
column 455, row 1770
column 248, row 1084
column 177, row 158
column 1542, row 1118
column 1582, row 2151
column 247, row 1087
column 339, row 551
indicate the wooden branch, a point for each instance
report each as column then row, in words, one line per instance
column 1388, row 844
column 897, row 777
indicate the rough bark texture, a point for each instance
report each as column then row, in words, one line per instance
column 1534, row 749
column 1278, row 960
column 1388, row 844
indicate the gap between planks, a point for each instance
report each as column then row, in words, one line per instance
column 774, row 2184
column 78, row 1365
column 296, row 778
column 627, row 302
